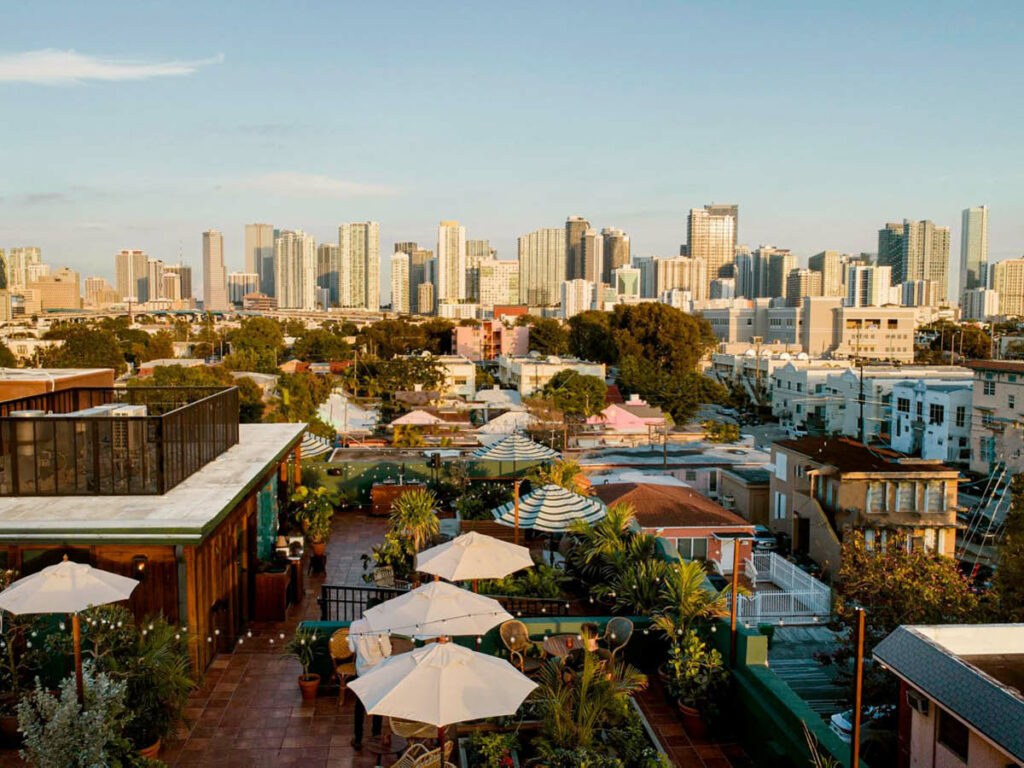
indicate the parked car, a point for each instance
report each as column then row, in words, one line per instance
column 841, row 723
column 764, row 539
column 796, row 432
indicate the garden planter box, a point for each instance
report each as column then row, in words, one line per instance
column 464, row 758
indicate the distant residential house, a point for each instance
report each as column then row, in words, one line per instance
column 746, row 492
column 822, row 488
column 699, row 528
column 634, row 416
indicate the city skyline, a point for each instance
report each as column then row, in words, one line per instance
column 193, row 154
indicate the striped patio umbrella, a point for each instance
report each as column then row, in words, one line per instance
column 515, row 448
column 550, row 508
column 314, row 446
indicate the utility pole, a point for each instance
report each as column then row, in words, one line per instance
column 860, row 400
column 858, row 686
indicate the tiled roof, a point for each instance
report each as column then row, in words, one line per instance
column 848, row 455
column 665, row 506
column 958, row 687
column 995, row 365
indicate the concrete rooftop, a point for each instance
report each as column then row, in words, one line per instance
column 183, row 515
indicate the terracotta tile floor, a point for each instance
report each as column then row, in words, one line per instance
column 681, row 748
column 249, row 712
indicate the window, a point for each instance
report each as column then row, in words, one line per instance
column 903, row 404
column 1010, row 401
column 779, row 510
column 990, row 388
column 876, row 497
column 936, row 413
column 953, row 735
column 780, row 466
column 905, row 497
column 920, row 409
column 961, row 416
column 692, row 549
column 690, row 476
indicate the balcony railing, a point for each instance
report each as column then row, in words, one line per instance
column 52, row 448
column 347, row 603
column 799, row 597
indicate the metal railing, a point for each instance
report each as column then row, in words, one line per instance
column 800, row 595
column 63, row 452
column 347, row 603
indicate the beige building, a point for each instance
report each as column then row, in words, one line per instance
column 425, row 298
column 498, row 282
column 830, row 265
column 58, row 290
column 541, row 267
column 19, row 263
column 997, row 415
column 616, row 252
column 531, row 373
column 1008, row 282
column 99, row 292
column 682, row 273
column 295, row 264
column 215, row 278
column 359, row 254
column 711, row 235
column 823, row 488
column 575, row 227
column 925, row 256
column 400, row 283
column 746, row 492
column 131, row 275
column 801, row 283
column 451, row 262
column 879, row 333
column 259, row 254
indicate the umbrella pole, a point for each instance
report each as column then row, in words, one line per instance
column 76, row 636
column 515, row 491
column 474, row 585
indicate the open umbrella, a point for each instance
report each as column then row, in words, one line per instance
column 550, row 508
column 441, row 684
column 473, row 556
column 516, row 447
column 67, row 587
column 312, row 445
column 437, row 609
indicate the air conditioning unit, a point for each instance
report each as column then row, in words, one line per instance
column 917, row 701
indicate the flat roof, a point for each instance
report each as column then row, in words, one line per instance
column 973, row 671
column 46, row 374
column 183, row 515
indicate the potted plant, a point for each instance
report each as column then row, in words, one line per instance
column 314, row 510
column 303, row 647
column 697, row 672
column 493, row 749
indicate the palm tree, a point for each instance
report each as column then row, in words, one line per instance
column 601, row 541
column 575, row 707
column 413, row 516
column 687, row 600
column 567, row 474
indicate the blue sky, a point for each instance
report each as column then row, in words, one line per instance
column 821, row 121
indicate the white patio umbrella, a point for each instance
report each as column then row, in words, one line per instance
column 441, row 684
column 550, row 508
column 437, row 609
column 473, row 556
column 67, row 587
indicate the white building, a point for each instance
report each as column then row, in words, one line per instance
column 457, row 310
column 400, row 283
column 239, row 284
column 799, row 391
column 577, row 296
column 215, row 288
column 868, row 286
column 844, row 395
column 979, row 304
column 451, row 262
column 359, row 252
column 932, row 420
column 541, row 267
column 531, row 373
column 295, row 270
column 459, row 376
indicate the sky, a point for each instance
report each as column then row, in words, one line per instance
column 140, row 125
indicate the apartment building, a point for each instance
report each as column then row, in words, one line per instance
column 997, row 415
column 490, row 340
column 531, row 373
column 823, row 488
column 932, row 420
column 799, row 392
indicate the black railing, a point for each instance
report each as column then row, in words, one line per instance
column 347, row 603
column 64, row 452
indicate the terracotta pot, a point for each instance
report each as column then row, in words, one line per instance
column 151, row 751
column 309, row 684
column 692, row 721
column 318, row 547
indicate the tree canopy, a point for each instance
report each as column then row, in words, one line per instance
column 680, row 395
column 256, row 345
column 85, row 347
column 7, row 359
column 547, row 335
column 250, row 398
column 576, row 394
column 321, row 346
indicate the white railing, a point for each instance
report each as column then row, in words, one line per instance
column 800, row 596
column 750, row 570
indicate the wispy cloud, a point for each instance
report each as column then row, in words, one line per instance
column 289, row 184
column 50, row 66
column 44, row 198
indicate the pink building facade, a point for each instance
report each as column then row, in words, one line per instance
column 490, row 340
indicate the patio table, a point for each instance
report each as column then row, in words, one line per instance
column 561, row 646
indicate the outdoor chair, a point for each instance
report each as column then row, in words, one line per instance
column 412, row 731
column 516, row 638
column 343, row 659
column 617, row 633
column 384, row 577
column 418, row 756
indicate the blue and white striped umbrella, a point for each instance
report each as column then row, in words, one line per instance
column 551, row 508
column 516, row 447
column 314, row 446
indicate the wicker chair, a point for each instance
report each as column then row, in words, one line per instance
column 516, row 638
column 617, row 633
column 411, row 730
column 384, row 577
column 418, row 756
column 343, row 659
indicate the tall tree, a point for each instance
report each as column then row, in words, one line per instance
column 7, row 358
column 86, row 347
column 590, row 337
column 547, row 335
column 576, row 394
column 261, row 341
